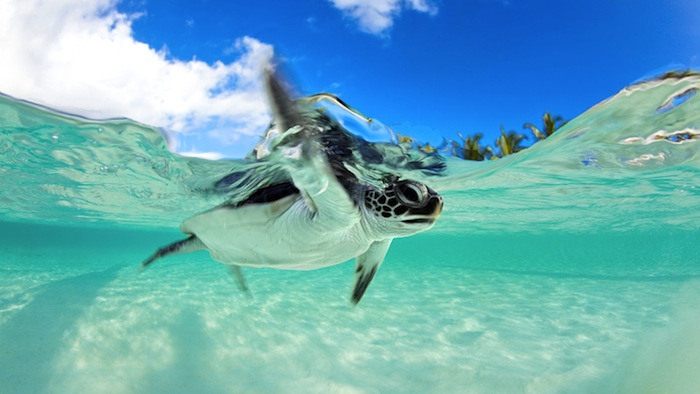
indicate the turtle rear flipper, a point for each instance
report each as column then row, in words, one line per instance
column 191, row 244
column 237, row 273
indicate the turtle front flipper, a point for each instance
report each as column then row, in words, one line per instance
column 366, row 266
column 298, row 147
column 191, row 244
column 301, row 152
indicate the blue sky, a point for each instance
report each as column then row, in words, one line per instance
column 426, row 68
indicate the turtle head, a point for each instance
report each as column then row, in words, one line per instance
column 403, row 208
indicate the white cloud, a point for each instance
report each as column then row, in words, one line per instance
column 376, row 16
column 80, row 56
column 202, row 155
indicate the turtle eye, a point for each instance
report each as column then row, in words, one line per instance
column 412, row 194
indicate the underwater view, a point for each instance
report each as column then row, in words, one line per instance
column 569, row 267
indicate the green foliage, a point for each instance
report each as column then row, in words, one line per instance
column 550, row 124
column 427, row 148
column 404, row 139
column 508, row 143
column 470, row 148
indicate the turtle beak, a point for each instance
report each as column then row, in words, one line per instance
column 438, row 210
column 436, row 201
column 430, row 212
column 434, row 206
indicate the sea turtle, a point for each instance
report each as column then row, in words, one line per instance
column 320, row 215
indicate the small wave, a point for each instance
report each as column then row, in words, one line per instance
column 617, row 165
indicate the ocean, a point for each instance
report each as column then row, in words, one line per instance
column 570, row 267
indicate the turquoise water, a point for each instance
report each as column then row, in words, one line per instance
column 571, row 267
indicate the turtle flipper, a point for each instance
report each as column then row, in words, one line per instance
column 188, row 245
column 366, row 266
column 298, row 144
column 237, row 272
column 287, row 113
column 301, row 151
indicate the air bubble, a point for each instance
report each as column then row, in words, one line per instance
column 589, row 159
column 676, row 100
column 641, row 160
column 674, row 137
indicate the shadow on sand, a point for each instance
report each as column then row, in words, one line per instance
column 31, row 340
column 190, row 372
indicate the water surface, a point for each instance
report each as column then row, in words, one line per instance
column 569, row 267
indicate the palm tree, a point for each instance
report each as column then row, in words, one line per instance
column 509, row 143
column 427, row 148
column 550, row 125
column 470, row 148
column 404, row 139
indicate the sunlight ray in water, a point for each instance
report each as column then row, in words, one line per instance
column 568, row 267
